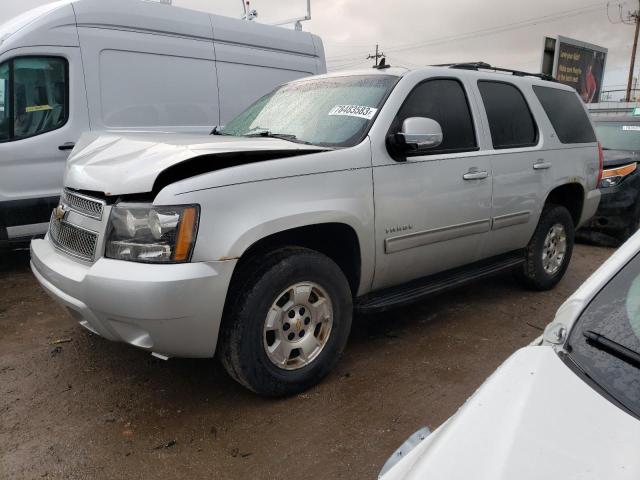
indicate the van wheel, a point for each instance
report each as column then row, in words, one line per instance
column 549, row 251
column 287, row 322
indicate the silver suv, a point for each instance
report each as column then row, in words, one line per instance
column 352, row 190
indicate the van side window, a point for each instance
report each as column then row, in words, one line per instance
column 567, row 115
column 5, row 114
column 510, row 120
column 444, row 101
column 34, row 96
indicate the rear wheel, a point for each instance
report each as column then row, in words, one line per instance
column 549, row 251
column 287, row 321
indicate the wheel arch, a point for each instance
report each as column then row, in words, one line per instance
column 337, row 240
column 571, row 196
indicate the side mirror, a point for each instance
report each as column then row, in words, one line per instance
column 418, row 134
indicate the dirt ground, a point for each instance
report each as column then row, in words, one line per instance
column 87, row 408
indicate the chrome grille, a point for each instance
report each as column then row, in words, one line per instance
column 75, row 241
column 88, row 206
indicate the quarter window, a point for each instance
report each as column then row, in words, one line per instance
column 33, row 96
column 444, row 101
column 567, row 115
column 510, row 120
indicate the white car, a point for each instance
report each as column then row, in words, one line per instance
column 566, row 407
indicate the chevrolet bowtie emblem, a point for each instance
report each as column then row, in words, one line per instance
column 59, row 212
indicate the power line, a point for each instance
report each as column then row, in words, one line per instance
column 486, row 31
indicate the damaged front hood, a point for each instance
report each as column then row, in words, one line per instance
column 122, row 164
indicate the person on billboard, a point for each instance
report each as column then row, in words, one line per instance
column 589, row 84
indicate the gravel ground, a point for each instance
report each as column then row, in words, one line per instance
column 73, row 405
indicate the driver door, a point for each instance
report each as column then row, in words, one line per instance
column 432, row 208
column 43, row 113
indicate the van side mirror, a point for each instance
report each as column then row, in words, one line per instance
column 418, row 134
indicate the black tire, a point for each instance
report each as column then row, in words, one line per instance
column 254, row 289
column 533, row 275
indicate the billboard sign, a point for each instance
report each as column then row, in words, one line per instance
column 577, row 64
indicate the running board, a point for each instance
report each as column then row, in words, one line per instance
column 416, row 290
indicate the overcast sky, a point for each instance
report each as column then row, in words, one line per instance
column 508, row 33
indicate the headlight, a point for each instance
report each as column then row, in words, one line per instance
column 146, row 233
column 613, row 176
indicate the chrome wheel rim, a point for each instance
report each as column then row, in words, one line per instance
column 297, row 326
column 554, row 249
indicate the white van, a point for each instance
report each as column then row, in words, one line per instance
column 123, row 65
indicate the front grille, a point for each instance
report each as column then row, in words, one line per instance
column 88, row 206
column 73, row 240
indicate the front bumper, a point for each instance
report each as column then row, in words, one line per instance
column 618, row 205
column 171, row 310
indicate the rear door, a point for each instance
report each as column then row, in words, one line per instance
column 432, row 210
column 521, row 170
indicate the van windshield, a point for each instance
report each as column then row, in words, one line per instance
column 333, row 112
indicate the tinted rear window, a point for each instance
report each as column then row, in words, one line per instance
column 567, row 115
column 510, row 120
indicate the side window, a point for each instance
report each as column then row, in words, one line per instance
column 566, row 113
column 33, row 96
column 443, row 100
column 510, row 120
column 5, row 114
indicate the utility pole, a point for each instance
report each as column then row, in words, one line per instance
column 635, row 17
column 381, row 54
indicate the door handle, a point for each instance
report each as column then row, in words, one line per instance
column 67, row 146
column 475, row 174
column 541, row 165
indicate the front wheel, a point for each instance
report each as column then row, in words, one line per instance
column 549, row 251
column 287, row 323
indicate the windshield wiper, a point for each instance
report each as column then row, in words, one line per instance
column 217, row 130
column 283, row 136
column 614, row 348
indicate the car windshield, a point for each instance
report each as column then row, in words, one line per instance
column 333, row 112
column 619, row 135
column 614, row 314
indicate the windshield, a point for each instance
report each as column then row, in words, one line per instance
column 619, row 135
column 614, row 314
column 333, row 112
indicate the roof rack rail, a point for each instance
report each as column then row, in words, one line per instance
column 486, row 66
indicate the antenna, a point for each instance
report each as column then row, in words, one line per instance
column 297, row 21
column 248, row 13
column 377, row 56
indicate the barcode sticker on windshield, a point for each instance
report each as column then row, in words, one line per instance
column 631, row 128
column 354, row 111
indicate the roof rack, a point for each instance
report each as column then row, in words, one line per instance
column 486, row 66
